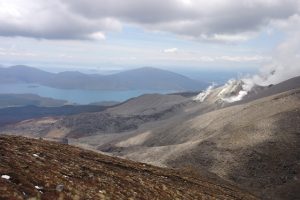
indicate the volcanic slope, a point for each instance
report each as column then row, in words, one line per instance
column 124, row 118
column 39, row 169
column 256, row 145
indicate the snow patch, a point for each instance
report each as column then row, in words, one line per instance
column 38, row 187
column 5, row 177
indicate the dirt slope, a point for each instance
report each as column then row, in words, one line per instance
column 256, row 145
column 124, row 117
column 147, row 104
column 48, row 170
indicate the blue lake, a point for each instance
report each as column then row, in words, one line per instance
column 76, row 96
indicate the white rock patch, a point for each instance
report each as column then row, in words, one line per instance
column 5, row 177
column 38, row 187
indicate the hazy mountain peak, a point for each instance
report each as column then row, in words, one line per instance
column 146, row 78
column 24, row 68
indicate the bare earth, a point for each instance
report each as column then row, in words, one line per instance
column 38, row 169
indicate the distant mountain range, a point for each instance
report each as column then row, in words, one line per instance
column 146, row 78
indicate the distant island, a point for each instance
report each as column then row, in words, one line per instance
column 15, row 100
column 146, row 78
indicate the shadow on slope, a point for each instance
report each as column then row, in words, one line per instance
column 17, row 114
column 274, row 165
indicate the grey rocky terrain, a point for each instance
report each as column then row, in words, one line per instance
column 254, row 144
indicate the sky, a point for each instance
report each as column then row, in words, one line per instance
column 114, row 35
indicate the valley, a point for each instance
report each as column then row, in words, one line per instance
column 254, row 144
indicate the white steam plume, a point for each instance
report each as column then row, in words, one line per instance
column 285, row 63
column 286, row 59
column 233, row 90
column 202, row 95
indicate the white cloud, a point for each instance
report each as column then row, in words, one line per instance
column 253, row 58
column 5, row 52
column 196, row 56
column 65, row 56
column 206, row 59
column 231, row 37
column 50, row 20
column 171, row 50
column 98, row 36
column 215, row 20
